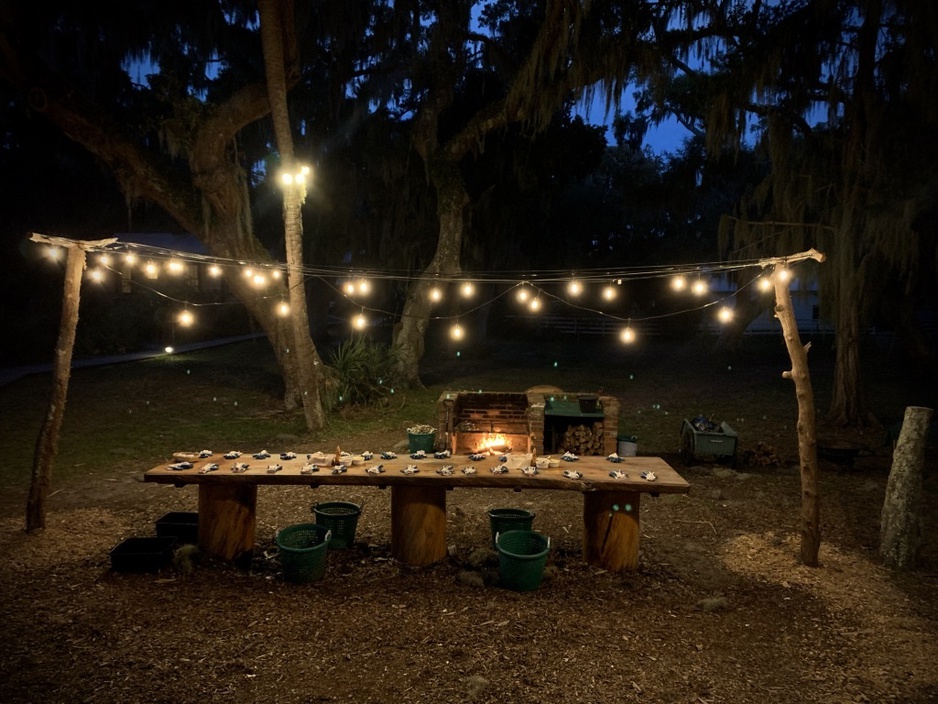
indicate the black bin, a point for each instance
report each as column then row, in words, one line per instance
column 182, row 525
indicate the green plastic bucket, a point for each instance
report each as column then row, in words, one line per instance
column 341, row 517
column 503, row 520
column 420, row 441
column 303, row 550
column 522, row 555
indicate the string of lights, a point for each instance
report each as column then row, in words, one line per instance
column 532, row 289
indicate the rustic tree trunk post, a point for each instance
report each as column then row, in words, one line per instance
column 901, row 524
column 48, row 441
column 807, row 428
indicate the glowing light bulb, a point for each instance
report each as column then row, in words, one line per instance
column 679, row 283
column 283, row 309
column 609, row 292
column 349, row 288
column 523, row 294
column 214, row 271
column 130, row 258
column 286, row 178
column 574, row 288
column 700, row 287
column 96, row 275
column 364, row 286
column 456, row 332
column 259, row 280
column 360, row 321
column 535, row 305
column 468, row 289
column 168, row 349
column 248, row 272
column 104, row 260
column 627, row 335
column 174, row 266
column 276, row 274
column 186, row 318
column 764, row 283
column 436, row 294
column 725, row 314
column 54, row 253
column 152, row 270
column 783, row 274
column 305, row 171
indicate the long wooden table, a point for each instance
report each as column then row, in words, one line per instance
column 228, row 500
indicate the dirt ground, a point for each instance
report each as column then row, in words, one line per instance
column 720, row 609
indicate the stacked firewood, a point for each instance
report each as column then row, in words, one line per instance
column 583, row 439
column 762, row 455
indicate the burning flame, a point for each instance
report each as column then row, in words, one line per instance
column 494, row 442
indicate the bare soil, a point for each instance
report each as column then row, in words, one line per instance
column 720, row 609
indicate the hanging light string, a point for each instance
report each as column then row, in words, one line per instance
column 357, row 281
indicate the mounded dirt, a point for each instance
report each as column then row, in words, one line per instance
column 720, row 609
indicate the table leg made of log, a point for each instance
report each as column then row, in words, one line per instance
column 227, row 518
column 611, row 530
column 418, row 524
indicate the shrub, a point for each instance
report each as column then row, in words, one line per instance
column 362, row 372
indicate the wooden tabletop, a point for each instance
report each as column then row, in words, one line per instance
column 595, row 473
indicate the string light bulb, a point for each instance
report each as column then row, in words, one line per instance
column 214, row 271
column 574, row 288
column 259, row 280
column 783, row 274
column 364, row 287
column 360, row 322
column 436, row 294
column 54, row 253
column 725, row 314
column 535, row 305
column 186, row 318
column 700, row 287
column 349, row 288
column 456, row 332
column 174, row 266
column 96, row 275
column 248, row 272
column 152, row 270
column 468, row 290
column 627, row 335
column 764, row 284
column 609, row 292
column 130, row 258
column 679, row 283
column 283, row 309
column 104, row 260
column 523, row 294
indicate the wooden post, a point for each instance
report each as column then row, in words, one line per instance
column 611, row 530
column 418, row 524
column 48, row 441
column 227, row 518
column 807, row 426
column 901, row 524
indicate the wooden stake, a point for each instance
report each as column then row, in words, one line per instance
column 48, row 441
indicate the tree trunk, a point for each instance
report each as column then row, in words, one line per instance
column 807, row 430
column 409, row 333
column 848, row 400
column 901, row 523
column 48, row 441
column 309, row 370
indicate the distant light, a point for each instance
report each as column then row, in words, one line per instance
column 523, row 294
column 574, row 288
column 436, row 294
column 609, row 292
column 130, row 258
column 783, row 274
column 54, row 253
column 456, row 332
column 276, row 273
column 214, row 271
column 152, row 270
column 627, row 335
column 360, row 322
column 186, row 318
column 679, row 283
column 248, row 272
column 765, row 284
column 283, row 309
column 168, row 349
column 349, row 288
column 364, row 286
column 104, row 260
column 535, row 304
column 700, row 287
column 286, row 179
column 259, row 280
column 725, row 314
column 468, row 289
column 96, row 275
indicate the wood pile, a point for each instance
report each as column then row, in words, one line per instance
column 762, row 455
column 583, row 440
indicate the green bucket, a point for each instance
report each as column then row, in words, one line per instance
column 341, row 517
column 420, row 441
column 503, row 520
column 522, row 555
column 303, row 550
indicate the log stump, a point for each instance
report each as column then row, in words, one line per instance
column 418, row 524
column 611, row 530
column 227, row 518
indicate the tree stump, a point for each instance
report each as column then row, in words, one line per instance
column 610, row 529
column 901, row 523
column 418, row 524
column 227, row 518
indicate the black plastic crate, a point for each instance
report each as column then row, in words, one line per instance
column 143, row 554
column 182, row 525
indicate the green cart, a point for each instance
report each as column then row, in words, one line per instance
column 704, row 437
